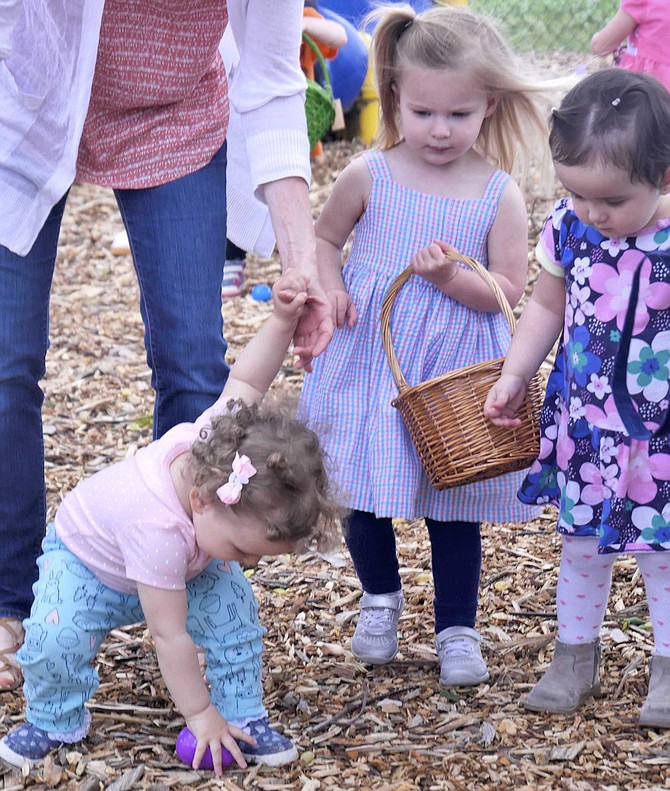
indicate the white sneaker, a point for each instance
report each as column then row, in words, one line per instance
column 461, row 662
column 375, row 640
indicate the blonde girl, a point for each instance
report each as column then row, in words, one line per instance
column 457, row 111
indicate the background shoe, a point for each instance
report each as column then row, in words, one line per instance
column 570, row 680
column 27, row 743
column 120, row 244
column 375, row 640
column 461, row 662
column 11, row 639
column 272, row 749
column 233, row 279
column 655, row 713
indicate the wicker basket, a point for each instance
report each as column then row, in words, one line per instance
column 457, row 444
column 319, row 101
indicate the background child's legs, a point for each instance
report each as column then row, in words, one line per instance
column 71, row 615
column 371, row 544
column 584, row 580
column 654, row 567
column 223, row 619
column 456, row 562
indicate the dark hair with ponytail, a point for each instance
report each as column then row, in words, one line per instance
column 615, row 118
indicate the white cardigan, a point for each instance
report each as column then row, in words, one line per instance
column 47, row 60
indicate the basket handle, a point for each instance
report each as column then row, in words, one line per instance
column 399, row 282
column 319, row 55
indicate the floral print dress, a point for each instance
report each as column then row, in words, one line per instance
column 604, row 454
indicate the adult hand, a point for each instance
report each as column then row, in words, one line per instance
column 211, row 730
column 315, row 327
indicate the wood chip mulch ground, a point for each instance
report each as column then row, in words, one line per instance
column 355, row 727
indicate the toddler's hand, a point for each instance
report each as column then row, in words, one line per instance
column 504, row 399
column 211, row 730
column 434, row 265
column 289, row 295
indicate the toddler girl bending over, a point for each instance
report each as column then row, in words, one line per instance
column 160, row 536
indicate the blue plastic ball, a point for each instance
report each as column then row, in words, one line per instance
column 261, row 293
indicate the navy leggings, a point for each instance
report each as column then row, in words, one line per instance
column 456, row 563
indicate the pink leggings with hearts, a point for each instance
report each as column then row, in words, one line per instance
column 584, row 581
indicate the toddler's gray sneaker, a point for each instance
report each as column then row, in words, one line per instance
column 375, row 640
column 461, row 662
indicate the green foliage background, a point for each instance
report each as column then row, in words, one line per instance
column 548, row 25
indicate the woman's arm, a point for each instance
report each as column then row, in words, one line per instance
column 268, row 93
column 165, row 612
column 615, row 31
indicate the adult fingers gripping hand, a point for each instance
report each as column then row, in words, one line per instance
column 211, row 730
column 314, row 330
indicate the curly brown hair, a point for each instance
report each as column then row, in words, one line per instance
column 291, row 488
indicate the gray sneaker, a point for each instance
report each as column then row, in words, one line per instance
column 461, row 662
column 375, row 640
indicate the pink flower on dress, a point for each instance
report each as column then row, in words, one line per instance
column 565, row 447
column 635, row 481
column 659, row 466
column 605, row 416
column 601, row 482
column 615, row 284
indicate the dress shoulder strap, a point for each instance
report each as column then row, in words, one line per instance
column 377, row 165
column 496, row 185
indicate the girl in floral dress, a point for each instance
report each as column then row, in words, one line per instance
column 604, row 457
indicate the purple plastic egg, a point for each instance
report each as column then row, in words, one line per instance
column 185, row 748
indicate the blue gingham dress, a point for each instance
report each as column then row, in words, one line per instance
column 347, row 398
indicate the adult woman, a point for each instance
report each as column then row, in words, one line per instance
column 133, row 95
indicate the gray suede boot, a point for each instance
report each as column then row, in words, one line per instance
column 570, row 680
column 655, row 713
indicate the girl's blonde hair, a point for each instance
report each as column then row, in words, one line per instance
column 290, row 490
column 514, row 136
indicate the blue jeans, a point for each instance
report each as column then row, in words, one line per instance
column 177, row 234
column 73, row 612
column 456, row 559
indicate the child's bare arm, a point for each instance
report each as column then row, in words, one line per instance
column 328, row 31
column 539, row 326
column 340, row 213
column 615, row 31
column 507, row 259
column 165, row 612
column 260, row 360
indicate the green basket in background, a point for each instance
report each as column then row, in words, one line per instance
column 319, row 101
